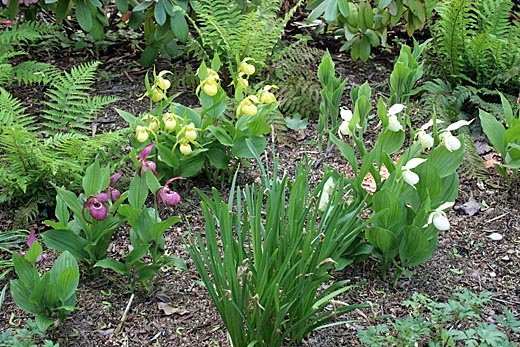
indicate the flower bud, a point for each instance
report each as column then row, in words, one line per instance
column 243, row 83
column 141, row 133
column 185, row 148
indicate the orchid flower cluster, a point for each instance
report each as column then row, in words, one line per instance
column 86, row 223
column 412, row 187
column 209, row 138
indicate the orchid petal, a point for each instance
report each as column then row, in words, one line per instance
column 395, row 109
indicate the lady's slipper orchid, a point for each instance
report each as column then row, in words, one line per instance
column 153, row 122
column 246, row 106
column 439, row 218
column 113, row 193
column 409, row 176
column 96, row 206
column 394, row 124
column 246, row 68
column 141, row 133
column 451, row 142
column 168, row 196
column 425, row 139
column 190, row 134
column 210, row 84
column 185, row 148
column 170, row 121
column 328, row 188
column 344, row 127
column 145, row 164
column 266, row 97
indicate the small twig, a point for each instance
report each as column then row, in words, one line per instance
column 506, row 301
column 497, row 217
column 125, row 314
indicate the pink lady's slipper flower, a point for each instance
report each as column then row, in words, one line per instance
column 168, row 196
column 113, row 193
column 96, row 206
column 145, row 164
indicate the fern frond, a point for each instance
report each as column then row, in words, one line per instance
column 472, row 166
column 33, row 72
column 12, row 111
column 70, row 107
column 493, row 16
column 25, row 32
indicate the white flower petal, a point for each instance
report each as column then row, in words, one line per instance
column 413, row 163
column 426, row 140
column 324, row 201
column 445, row 206
column 329, row 186
column 344, row 128
column 458, row 124
column 395, row 109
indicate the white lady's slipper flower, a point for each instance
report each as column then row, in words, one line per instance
column 451, row 142
column 425, row 139
column 394, row 124
column 328, row 188
column 409, row 176
column 344, row 127
column 439, row 218
column 458, row 124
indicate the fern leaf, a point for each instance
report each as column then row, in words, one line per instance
column 12, row 111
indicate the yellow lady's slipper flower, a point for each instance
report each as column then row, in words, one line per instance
column 190, row 134
column 243, row 83
column 141, row 133
column 246, row 106
column 170, row 121
column 209, row 87
column 153, row 123
column 163, row 83
column 185, row 148
column 158, row 94
column 247, row 68
column 265, row 96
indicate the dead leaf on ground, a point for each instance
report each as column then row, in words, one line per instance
column 169, row 309
column 470, row 207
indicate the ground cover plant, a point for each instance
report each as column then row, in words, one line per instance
column 356, row 229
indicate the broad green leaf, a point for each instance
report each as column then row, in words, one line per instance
column 241, row 150
column 218, row 157
column 152, row 182
column 113, row 265
column 414, row 248
column 67, row 283
column 122, row 6
column 21, row 294
column 65, row 261
column 191, row 166
column 94, row 180
column 347, row 151
column 494, row 131
column 179, row 26
column 160, row 13
column 71, row 200
column 26, row 272
column 508, row 111
column 34, row 252
column 383, row 239
column 386, row 200
column 512, row 134
column 61, row 10
column 221, row 135
column 66, row 240
column 83, row 15
column 391, row 141
column 130, row 118
column 444, row 161
column 296, row 122
column 138, row 192
column 43, row 322
column 136, row 254
column 429, row 182
column 158, row 229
